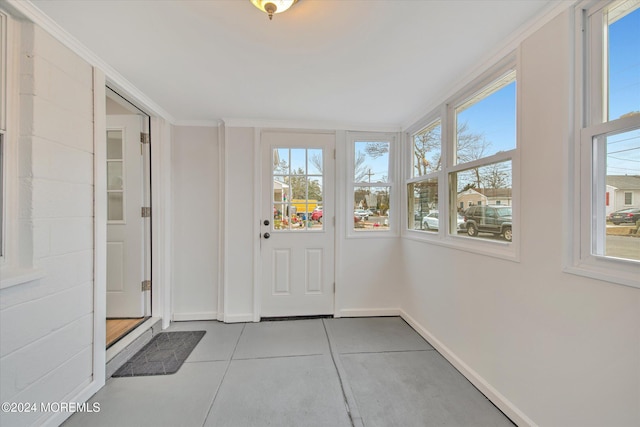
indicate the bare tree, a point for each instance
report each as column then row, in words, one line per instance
column 360, row 168
column 427, row 149
column 494, row 177
column 316, row 161
column 376, row 149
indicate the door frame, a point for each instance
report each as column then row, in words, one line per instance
column 160, row 161
column 258, row 214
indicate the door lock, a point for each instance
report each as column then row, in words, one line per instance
column 266, row 222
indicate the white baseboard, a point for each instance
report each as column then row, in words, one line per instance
column 504, row 404
column 368, row 312
column 82, row 394
column 185, row 317
column 238, row 318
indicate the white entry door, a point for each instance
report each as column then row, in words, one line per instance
column 297, row 224
column 126, row 228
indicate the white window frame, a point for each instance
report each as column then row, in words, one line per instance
column 16, row 262
column 394, row 218
column 443, row 218
column 446, row 195
column 587, row 171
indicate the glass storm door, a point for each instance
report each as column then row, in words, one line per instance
column 297, row 223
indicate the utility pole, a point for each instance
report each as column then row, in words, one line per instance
column 369, row 174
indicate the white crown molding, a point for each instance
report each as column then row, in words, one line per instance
column 553, row 9
column 306, row 124
column 199, row 123
column 31, row 12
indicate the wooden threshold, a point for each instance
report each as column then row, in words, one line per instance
column 118, row 328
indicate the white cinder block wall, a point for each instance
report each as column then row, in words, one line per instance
column 46, row 325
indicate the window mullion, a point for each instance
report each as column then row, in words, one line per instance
column 598, row 190
column 496, row 158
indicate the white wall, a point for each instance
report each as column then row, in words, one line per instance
column 46, row 325
column 362, row 287
column 367, row 280
column 239, row 237
column 564, row 350
column 195, row 164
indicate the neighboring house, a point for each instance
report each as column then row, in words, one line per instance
column 280, row 191
column 471, row 197
column 497, row 196
column 623, row 191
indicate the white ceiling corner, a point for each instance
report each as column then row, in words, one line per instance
column 368, row 63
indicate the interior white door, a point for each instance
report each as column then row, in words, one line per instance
column 125, row 225
column 297, row 246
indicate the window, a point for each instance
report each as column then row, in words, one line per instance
column 371, row 191
column 484, row 141
column 464, row 157
column 115, row 176
column 422, row 188
column 607, row 151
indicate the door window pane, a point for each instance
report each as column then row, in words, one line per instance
column 297, row 195
column 114, row 175
column 314, row 162
column 281, row 161
column 298, row 161
column 115, row 206
column 114, row 145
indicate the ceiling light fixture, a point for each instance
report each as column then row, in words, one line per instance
column 273, row 6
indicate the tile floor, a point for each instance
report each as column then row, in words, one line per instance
column 318, row 372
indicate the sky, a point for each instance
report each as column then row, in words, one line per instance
column 495, row 118
column 623, row 150
column 624, row 65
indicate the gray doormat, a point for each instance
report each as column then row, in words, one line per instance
column 163, row 355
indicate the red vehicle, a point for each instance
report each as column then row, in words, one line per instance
column 316, row 215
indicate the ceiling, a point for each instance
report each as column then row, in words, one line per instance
column 354, row 62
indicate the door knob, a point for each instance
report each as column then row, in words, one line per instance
column 266, row 235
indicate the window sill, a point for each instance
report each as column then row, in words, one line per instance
column 371, row 234
column 619, row 272
column 494, row 249
column 18, row 276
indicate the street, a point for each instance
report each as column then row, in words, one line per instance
column 623, row 247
